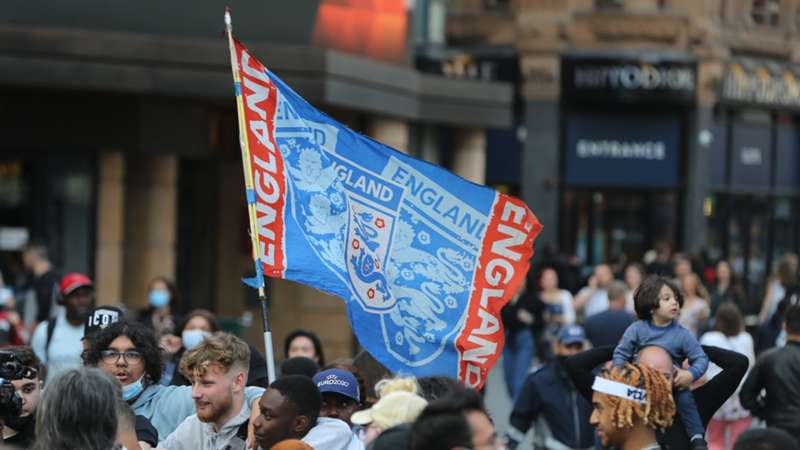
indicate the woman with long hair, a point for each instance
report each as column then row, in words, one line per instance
column 784, row 279
column 731, row 419
column 694, row 312
column 726, row 287
column 634, row 275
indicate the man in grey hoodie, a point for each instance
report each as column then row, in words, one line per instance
column 219, row 367
column 129, row 352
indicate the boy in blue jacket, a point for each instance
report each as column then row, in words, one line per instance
column 658, row 303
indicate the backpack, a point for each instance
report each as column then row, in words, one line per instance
column 51, row 328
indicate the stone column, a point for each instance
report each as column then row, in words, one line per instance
column 389, row 131
column 541, row 151
column 110, row 227
column 540, row 167
column 709, row 74
column 233, row 242
column 150, row 223
column 469, row 154
column 697, row 185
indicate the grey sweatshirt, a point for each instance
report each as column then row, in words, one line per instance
column 192, row 434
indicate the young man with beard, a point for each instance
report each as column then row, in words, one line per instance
column 19, row 430
column 57, row 342
column 218, row 368
column 129, row 352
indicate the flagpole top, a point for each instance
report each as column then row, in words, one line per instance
column 227, row 16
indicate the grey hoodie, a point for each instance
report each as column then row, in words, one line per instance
column 167, row 406
column 193, row 434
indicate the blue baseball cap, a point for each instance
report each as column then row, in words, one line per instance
column 571, row 334
column 337, row 381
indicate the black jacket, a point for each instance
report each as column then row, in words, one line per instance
column 548, row 392
column 778, row 373
column 708, row 397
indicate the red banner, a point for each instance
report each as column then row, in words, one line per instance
column 504, row 262
column 260, row 98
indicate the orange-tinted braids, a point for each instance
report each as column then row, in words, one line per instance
column 659, row 409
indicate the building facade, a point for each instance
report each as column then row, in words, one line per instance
column 120, row 144
column 649, row 121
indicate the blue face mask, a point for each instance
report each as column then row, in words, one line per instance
column 193, row 338
column 159, row 298
column 133, row 390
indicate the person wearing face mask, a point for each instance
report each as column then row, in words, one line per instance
column 549, row 393
column 99, row 319
column 198, row 324
column 130, row 353
column 160, row 315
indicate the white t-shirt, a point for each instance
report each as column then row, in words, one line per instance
column 567, row 308
column 742, row 343
column 329, row 434
column 65, row 345
column 597, row 303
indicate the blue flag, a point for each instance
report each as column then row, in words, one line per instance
column 424, row 259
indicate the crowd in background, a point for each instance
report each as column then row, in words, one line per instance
column 598, row 307
column 101, row 377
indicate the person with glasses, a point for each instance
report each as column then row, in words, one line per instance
column 129, row 352
column 549, row 394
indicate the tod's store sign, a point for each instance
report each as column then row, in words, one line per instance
column 628, row 78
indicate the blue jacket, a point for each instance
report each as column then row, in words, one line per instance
column 674, row 338
column 549, row 393
column 167, row 406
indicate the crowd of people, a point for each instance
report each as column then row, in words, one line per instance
column 733, row 360
column 644, row 356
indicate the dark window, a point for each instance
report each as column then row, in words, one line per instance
column 609, row 4
column 497, row 5
column 765, row 12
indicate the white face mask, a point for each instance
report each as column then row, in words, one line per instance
column 193, row 338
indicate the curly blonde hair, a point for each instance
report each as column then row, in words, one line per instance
column 403, row 384
column 659, row 409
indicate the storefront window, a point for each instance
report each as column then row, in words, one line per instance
column 765, row 12
column 743, row 223
column 610, row 4
column 785, row 237
column 51, row 199
column 603, row 225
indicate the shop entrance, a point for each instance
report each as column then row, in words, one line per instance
column 753, row 232
column 601, row 225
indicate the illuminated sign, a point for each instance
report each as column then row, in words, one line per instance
column 374, row 28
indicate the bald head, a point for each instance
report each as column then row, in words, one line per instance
column 657, row 358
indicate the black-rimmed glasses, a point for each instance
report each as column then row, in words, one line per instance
column 111, row 356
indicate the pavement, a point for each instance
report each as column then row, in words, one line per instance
column 499, row 403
